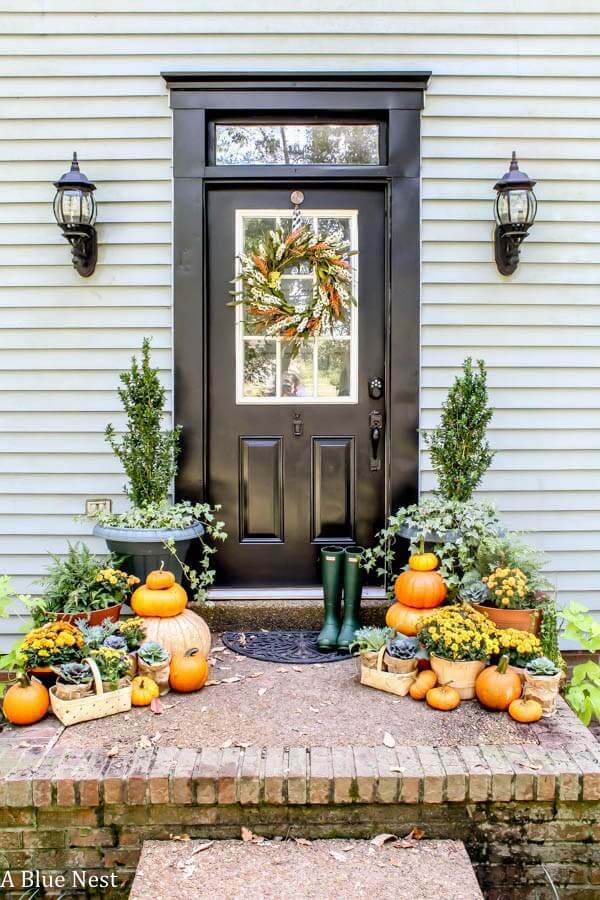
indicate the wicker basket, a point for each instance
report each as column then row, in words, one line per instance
column 391, row 682
column 96, row 706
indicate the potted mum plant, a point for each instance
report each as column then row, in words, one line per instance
column 460, row 642
column 153, row 527
column 81, row 587
column 113, row 666
column 50, row 646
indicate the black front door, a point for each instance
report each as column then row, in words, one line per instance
column 291, row 450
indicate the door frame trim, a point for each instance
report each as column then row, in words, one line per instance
column 397, row 98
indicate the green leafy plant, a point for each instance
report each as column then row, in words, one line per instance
column 116, row 642
column 147, row 453
column 549, row 633
column 153, row 653
column 10, row 603
column 476, row 592
column 81, row 582
column 74, row 672
column 460, row 453
column 583, row 690
column 542, row 667
column 455, row 529
column 508, row 551
column 402, row 648
column 370, row 640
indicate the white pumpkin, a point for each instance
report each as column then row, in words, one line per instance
column 179, row 633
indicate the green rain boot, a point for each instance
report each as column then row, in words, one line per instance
column 352, row 595
column 332, row 563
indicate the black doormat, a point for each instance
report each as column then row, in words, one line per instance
column 298, row 647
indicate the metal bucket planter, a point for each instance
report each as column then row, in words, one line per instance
column 143, row 549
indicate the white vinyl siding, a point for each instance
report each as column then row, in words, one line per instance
column 503, row 79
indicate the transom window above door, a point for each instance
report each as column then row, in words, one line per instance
column 325, row 368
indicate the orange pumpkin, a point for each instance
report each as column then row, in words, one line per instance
column 443, row 697
column 497, row 686
column 160, row 579
column 404, row 619
column 420, row 590
column 188, row 672
column 26, row 702
column 423, row 562
column 525, row 710
column 424, row 682
column 164, row 603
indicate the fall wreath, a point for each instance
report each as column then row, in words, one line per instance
column 264, row 299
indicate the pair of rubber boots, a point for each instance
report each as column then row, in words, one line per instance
column 340, row 570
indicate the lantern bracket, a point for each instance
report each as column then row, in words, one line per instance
column 84, row 247
column 507, row 245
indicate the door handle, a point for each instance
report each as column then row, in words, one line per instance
column 376, row 432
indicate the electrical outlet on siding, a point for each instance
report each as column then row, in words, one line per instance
column 93, row 507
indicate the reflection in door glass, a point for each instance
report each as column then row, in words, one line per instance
column 325, row 369
column 343, row 144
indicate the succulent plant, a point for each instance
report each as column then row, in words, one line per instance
column 475, row 592
column 153, row 654
column 402, row 647
column 115, row 642
column 370, row 640
column 74, row 672
column 95, row 635
column 542, row 666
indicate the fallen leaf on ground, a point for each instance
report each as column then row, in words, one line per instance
column 302, row 841
column 233, row 680
column 242, row 640
column 155, row 738
column 249, row 836
column 225, row 668
column 297, row 668
column 211, row 683
column 217, row 649
column 201, row 847
column 281, row 669
column 381, row 839
column 227, row 743
column 243, row 744
column 262, row 691
column 254, row 674
column 341, row 857
column 397, row 769
column 179, row 837
column 313, row 709
column 156, row 706
column 388, row 740
column 144, row 743
column 417, row 834
column 113, row 751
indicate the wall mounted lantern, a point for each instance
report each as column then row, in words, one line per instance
column 75, row 212
column 515, row 210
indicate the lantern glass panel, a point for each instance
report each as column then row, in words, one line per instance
column 74, row 207
column 518, row 207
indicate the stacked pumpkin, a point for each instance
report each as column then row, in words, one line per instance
column 418, row 590
column 162, row 603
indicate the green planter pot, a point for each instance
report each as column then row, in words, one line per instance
column 143, row 549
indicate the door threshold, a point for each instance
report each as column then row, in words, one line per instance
column 284, row 593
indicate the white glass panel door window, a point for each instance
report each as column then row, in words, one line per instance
column 326, row 368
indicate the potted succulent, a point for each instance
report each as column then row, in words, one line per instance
column 74, row 680
column 368, row 642
column 153, row 528
column 459, row 641
column 153, row 660
column 95, row 635
column 401, row 654
column 542, row 683
column 80, row 587
column 512, row 588
column 50, row 646
column 113, row 666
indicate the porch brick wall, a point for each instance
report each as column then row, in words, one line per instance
column 503, row 79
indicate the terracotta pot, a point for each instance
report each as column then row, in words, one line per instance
column 94, row 617
column 521, row 619
column 461, row 674
column 399, row 666
column 44, row 674
column 544, row 689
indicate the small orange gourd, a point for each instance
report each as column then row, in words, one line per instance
column 160, row 579
column 162, row 602
column 423, row 562
column 26, row 702
column 143, row 690
column 497, row 686
column 525, row 710
column 424, row 682
column 420, row 590
column 188, row 672
column 443, row 697
column 404, row 619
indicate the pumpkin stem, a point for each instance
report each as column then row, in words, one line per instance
column 23, row 679
column 191, row 652
column 162, row 565
column 422, row 545
column 502, row 664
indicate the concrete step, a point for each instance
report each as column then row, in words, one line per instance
column 288, row 614
column 260, row 869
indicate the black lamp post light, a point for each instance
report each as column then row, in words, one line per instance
column 515, row 210
column 75, row 213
